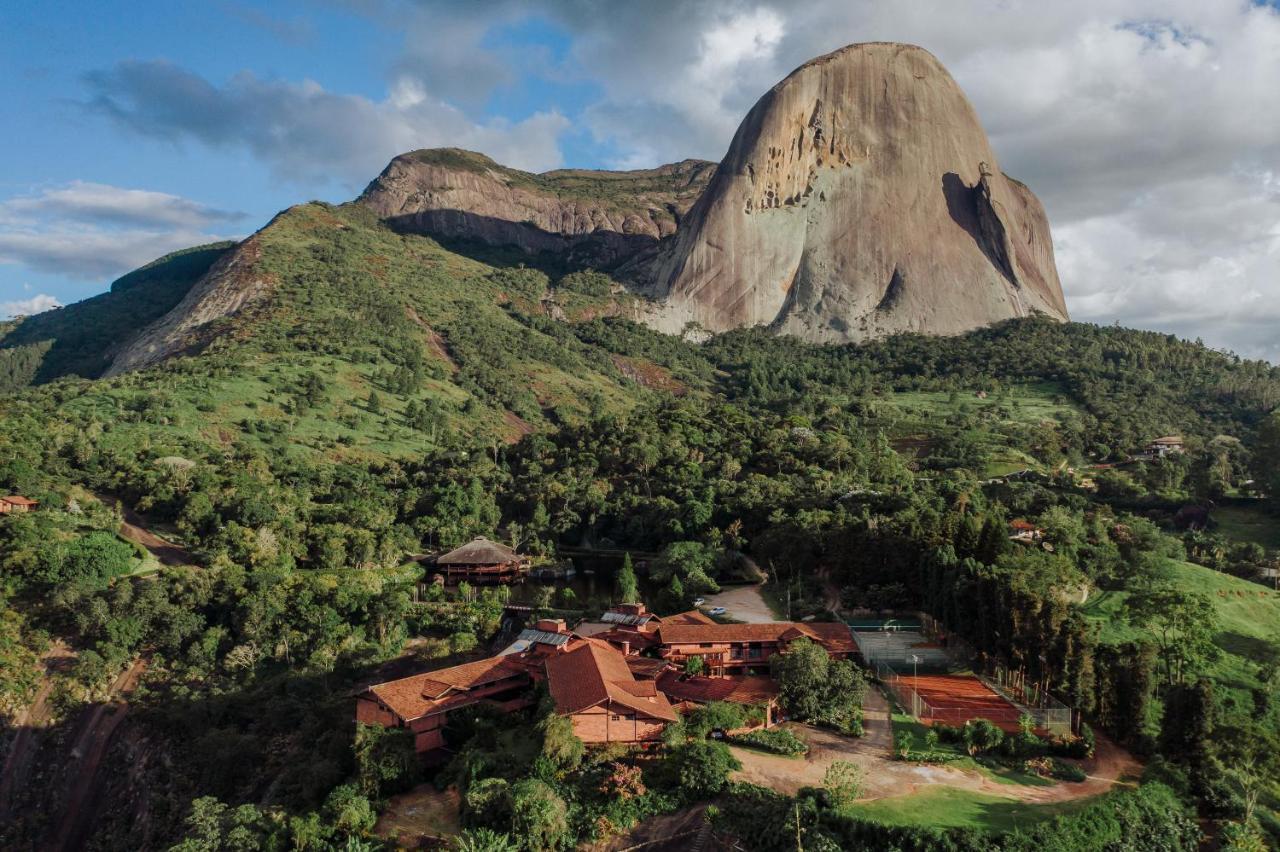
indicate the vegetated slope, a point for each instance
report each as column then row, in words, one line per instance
column 80, row 339
column 331, row 332
column 1248, row 624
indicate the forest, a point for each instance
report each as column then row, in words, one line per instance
column 304, row 460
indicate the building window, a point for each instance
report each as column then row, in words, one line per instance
column 705, row 645
column 616, row 717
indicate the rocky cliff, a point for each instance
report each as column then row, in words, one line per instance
column 860, row 197
column 594, row 218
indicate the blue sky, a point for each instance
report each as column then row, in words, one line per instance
column 130, row 129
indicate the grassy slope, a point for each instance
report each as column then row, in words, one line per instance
column 1248, row 620
column 351, row 301
column 948, row 807
column 1248, row 524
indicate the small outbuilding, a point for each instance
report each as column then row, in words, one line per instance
column 13, row 504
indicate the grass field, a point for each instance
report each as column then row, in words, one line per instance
column 948, row 807
column 1243, row 523
column 1024, row 403
column 1248, row 620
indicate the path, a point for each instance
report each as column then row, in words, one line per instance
column 886, row 777
column 17, row 762
column 90, row 747
column 744, row 603
column 133, row 527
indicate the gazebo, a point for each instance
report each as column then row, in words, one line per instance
column 482, row 561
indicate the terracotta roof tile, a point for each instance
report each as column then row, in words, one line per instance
column 739, row 690
column 430, row 692
column 596, row 673
column 834, row 636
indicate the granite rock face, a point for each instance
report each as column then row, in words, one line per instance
column 597, row 218
column 860, row 197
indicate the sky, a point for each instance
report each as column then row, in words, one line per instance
column 1150, row 129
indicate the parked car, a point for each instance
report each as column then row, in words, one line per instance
column 699, row 601
column 717, row 610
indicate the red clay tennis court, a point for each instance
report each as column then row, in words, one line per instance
column 955, row 699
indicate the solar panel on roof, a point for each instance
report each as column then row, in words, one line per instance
column 544, row 636
column 624, row 618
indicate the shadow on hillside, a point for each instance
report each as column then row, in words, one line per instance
column 507, row 244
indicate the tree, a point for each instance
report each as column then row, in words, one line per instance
column 374, row 403
column 694, row 665
column 843, row 781
column 1183, row 623
column 628, row 587
column 1188, row 723
column 813, row 686
column 385, row 759
column 539, row 817
column 484, row 840
column 349, row 811
column 702, row 768
column 715, row 716
column 560, row 744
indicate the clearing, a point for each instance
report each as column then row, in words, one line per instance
column 745, row 603
column 895, row 790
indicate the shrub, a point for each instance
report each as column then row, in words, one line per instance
column 776, row 740
column 702, row 768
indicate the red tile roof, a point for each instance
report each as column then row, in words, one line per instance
column 833, row 636
column 739, row 690
column 431, row 692
column 596, row 673
column 19, row 501
column 693, row 616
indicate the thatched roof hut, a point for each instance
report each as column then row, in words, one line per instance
column 479, row 551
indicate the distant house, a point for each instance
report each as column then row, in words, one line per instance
column 482, row 561
column 13, row 504
column 1161, row 447
column 1023, row 530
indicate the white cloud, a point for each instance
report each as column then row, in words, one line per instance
column 96, row 231
column 305, row 133
column 98, row 202
column 26, row 307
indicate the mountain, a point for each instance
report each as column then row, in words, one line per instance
column 860, row 198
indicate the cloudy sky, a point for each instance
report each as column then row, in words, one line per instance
column 1149, row 128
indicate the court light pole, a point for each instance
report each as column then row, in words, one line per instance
column 915, row 683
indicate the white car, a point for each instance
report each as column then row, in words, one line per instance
column 699, row 601
column 717, row 610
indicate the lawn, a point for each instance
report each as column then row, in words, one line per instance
column 948, row 807
column 1000, row 774
column 1248, row 524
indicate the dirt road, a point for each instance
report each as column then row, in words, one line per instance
column 91, row 743
column 17, row 762
column 133, row 527
column 744, row 603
